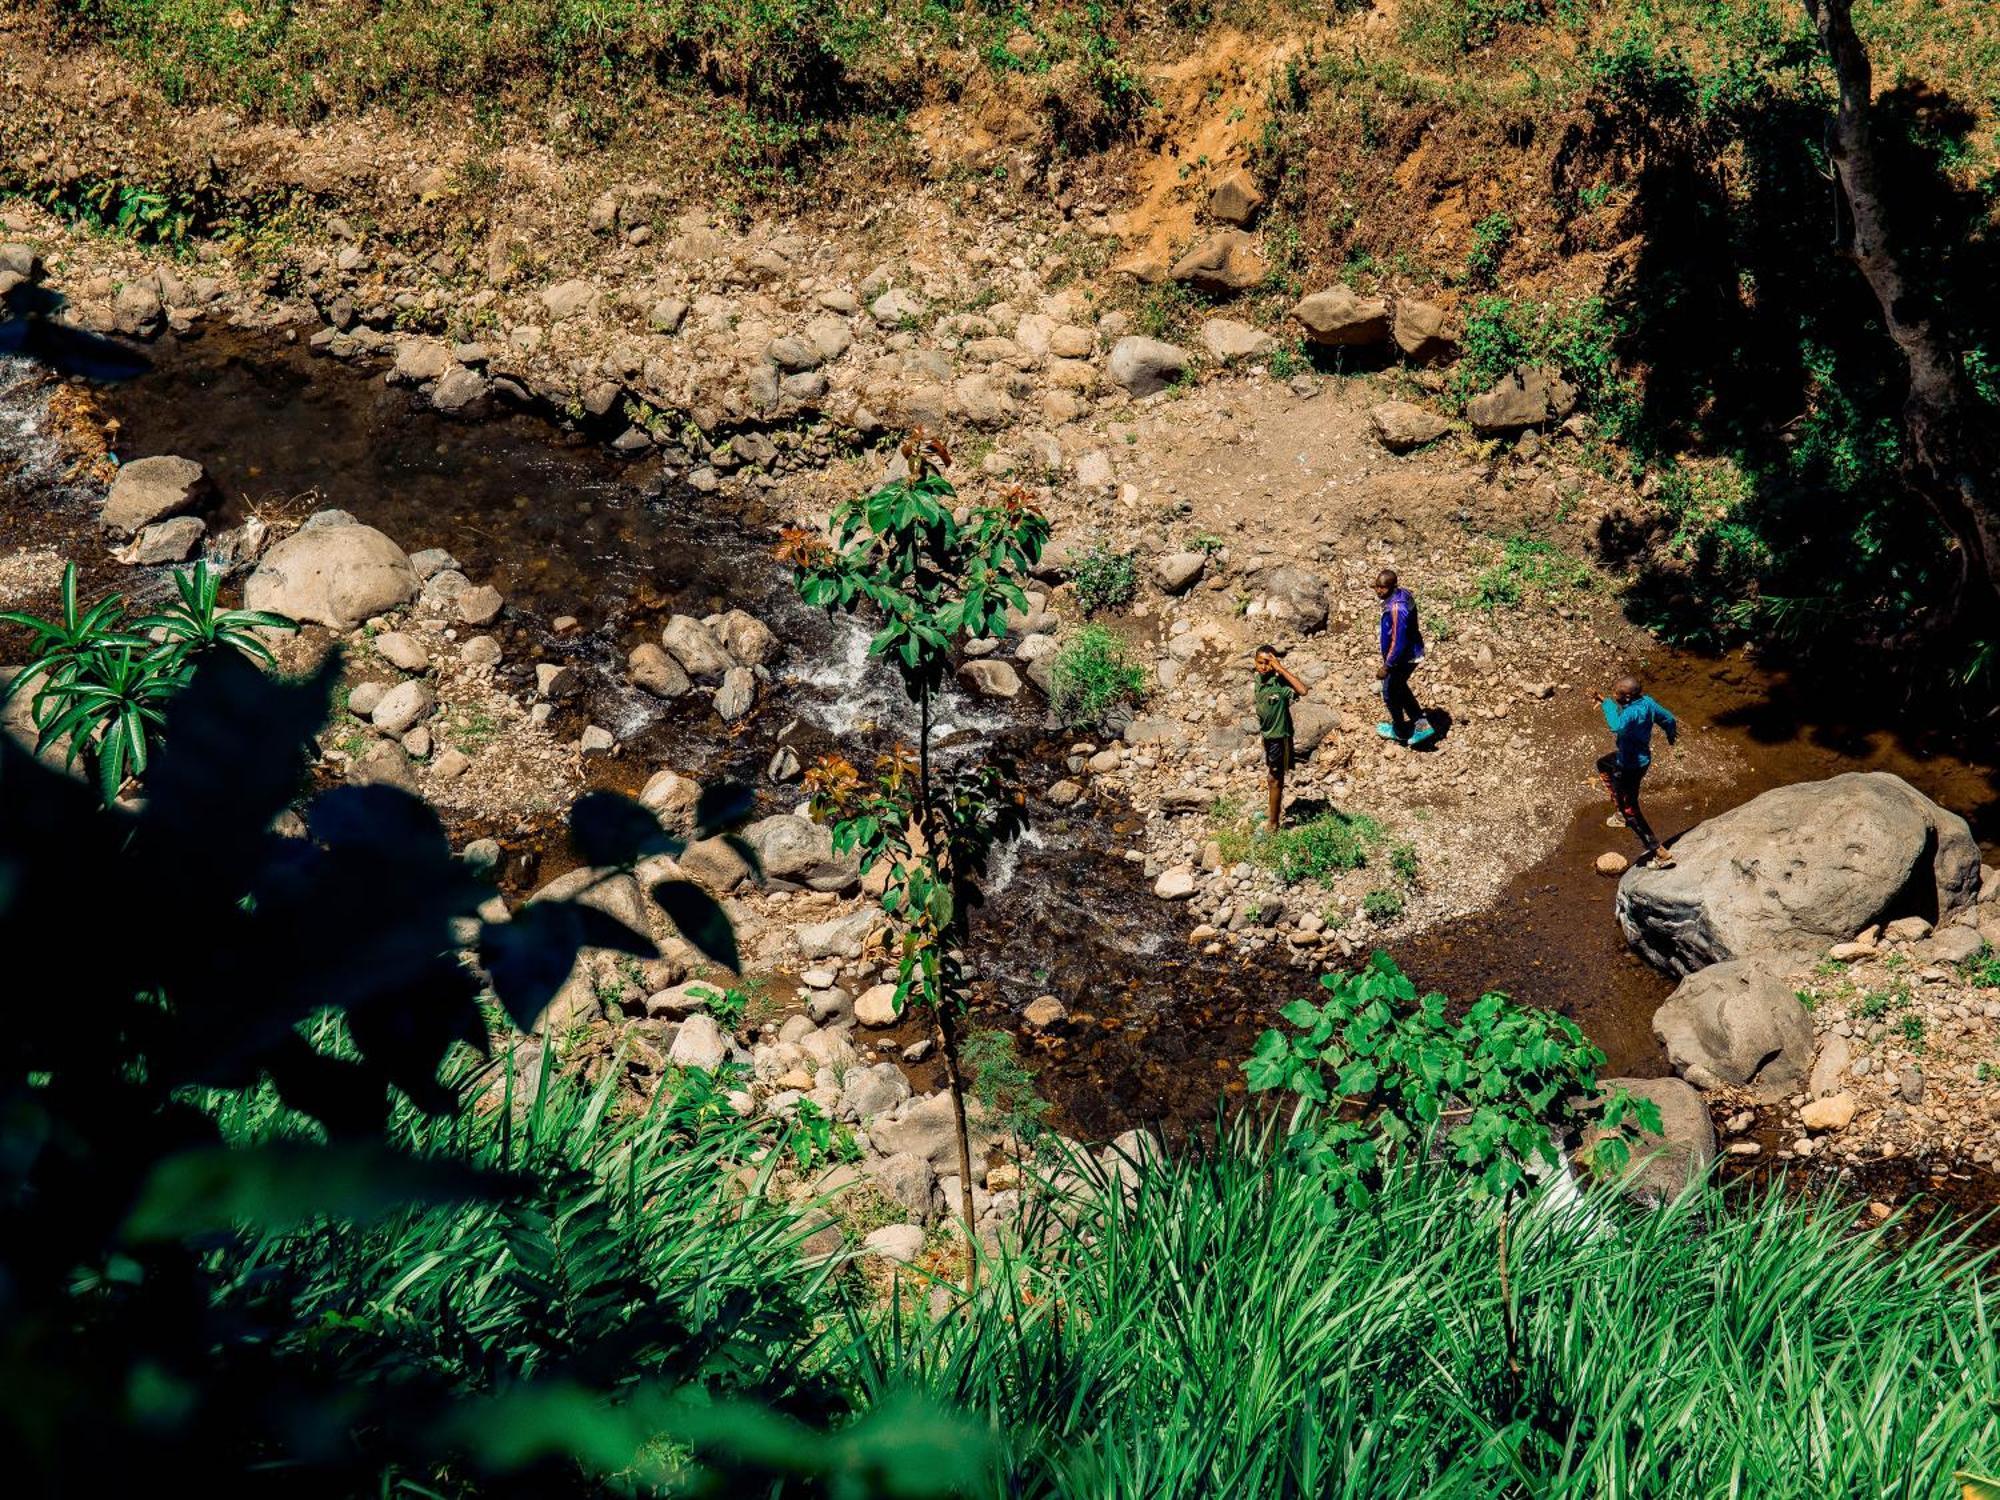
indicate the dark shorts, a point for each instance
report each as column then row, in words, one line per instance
column 1278, row 756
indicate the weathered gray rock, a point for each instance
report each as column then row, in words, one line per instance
column 868, row 1092
column 569, row 299
column 1228, row 340
column 1235, row 199
column 672, row 797
column 901, row 1243
column 458, row 389
column 1226, row 261
column 1178, row 572
column 842, row 937
column 479, row 605
column 1142, row 365
column 1800, row 868
column 715, row 864
column 699, row 1044
column 384, row 763
column 614, row 893
column 695, row 647
column 403, row 706
column 748, row 639
column 796, row 851
column 924, row 1127
column 152, row 489
column 1312, row 722
column 657, row 672
column 419, row 360
column 906, row 1180
column 737, row 695
column 1737, row 1023
column 1403, row 425
column 402, row 651
column 1293, row 596
column 337, row 576
column 169, row 541
column 1338, row 318
column 1664, row 1165
column 1422, row 332
column 1527, row 397
column 876, row 1006
column 988, row 678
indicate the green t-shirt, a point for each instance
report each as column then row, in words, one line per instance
column 1274, row 707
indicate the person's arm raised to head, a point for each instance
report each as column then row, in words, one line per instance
column 1290, row 677
column 1614, row 713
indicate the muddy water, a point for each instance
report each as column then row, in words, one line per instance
column 564, row 529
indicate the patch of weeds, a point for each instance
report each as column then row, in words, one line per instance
column 1982, row 970
column 1319, row 847
column 1104, row 579
column 1577, row 339
column 1383, row 904
column 813, row 1138
column 1403, row 862
column 1528, row 567
column 1207, row 543
column 1912, row 1029
column 473, row 730
column 1168, row 311
column 1490, row 238
column 1092, row 674
column 1289, row 358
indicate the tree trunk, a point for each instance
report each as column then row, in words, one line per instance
column 938, row 853
column 1952, row 461
column 955, row 1084
column 1507, row 1303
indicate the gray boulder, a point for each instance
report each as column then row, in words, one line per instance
column 906, row 1180
column 1228, row 339
column 617, row 895
column 337, row 576
column 925, row 1128
column 1226, row 261
column 988, row 678
column 699, row 1044
column 737, row 695
column 695, row 647
column 1524, row 398
column 868, row 1092
column 1312, row 722
column 1664, row 1165
column 1740, row 1024
column 152, row 489
column 796, row 851
column 1293, row 596
column 1798, row 869
column 657, row 672
column 1422, row 332
column 170, row 541
column 840, row 937
column 1338, row 318
column 1403, row 425
column 748, row 638
column 1142, row 365
column 1178, row 572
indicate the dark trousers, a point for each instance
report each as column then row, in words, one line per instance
column 1404, row 710
column 1622, row 782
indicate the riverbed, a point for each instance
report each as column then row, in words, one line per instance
column 565, row 529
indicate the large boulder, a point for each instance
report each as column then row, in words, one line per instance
column 1798, row 869
column 337, row 576
column 925, row 1127
column 1422, row 333
column 1403, row 425
column 152, row 489
column 796, row 851
column 1226, row 261
column 1143, row 365
column 614, row 893
column 1737, row 1024
column 696, row 648
column 1235, row 199
column 1524, row 398
column 1337, row 318
column 1293, row 596
column 1664, row 1165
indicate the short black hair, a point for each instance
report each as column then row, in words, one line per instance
column 1267, row 646
column 1386, row 579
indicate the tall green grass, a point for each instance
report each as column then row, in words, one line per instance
column 1220, row 1331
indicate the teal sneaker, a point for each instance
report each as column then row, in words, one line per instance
column 1421, row 733
column 1387, row 731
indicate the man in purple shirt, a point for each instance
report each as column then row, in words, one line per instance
column 1402, row 643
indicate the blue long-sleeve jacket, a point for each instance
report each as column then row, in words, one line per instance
column 1402, row 640
column 1632, row 726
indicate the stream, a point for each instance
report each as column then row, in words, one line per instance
column 562, row 527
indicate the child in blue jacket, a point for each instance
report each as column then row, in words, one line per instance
column 1632, row 715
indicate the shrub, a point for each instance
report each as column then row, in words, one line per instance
column 1383, row 904
column 1104, row 579
column 1319, row 847
column 1528, row 567
column 1005, row 1084
column 1091, row 675
column 1579, row 339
